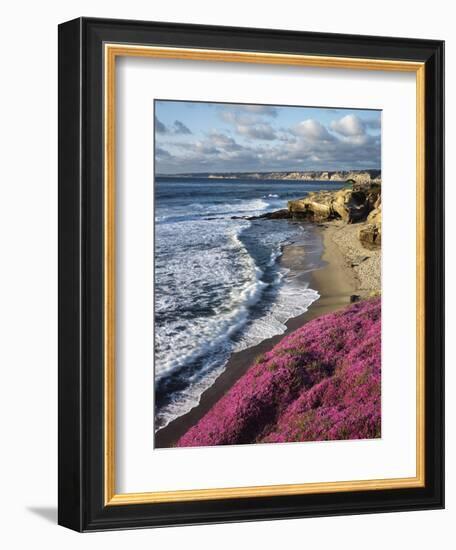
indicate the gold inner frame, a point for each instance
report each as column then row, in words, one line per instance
column 111, row 52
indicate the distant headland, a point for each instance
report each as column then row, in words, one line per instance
column 358, row 176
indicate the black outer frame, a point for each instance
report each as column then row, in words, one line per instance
column 81, row 483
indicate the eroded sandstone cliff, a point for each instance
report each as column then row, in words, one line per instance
column 359, row 203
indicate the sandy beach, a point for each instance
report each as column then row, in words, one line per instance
column 348, row 271
column 365, row 264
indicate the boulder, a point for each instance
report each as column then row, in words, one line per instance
column 375, row 216
column 370, row 236
column 282, row 214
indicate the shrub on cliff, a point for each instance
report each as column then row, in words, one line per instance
column 322, row 382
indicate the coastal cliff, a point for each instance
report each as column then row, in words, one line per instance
column 357, row 176
column 357, row 204
column 322, row 382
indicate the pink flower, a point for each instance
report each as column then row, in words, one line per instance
column 322, row 382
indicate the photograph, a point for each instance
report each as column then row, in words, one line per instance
column 249, row 329
column 267, row 304
column 218, row 332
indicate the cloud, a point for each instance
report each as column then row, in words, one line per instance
column 222, row 153
column 348, row 126
column 309, row 145
column 249, row 120
column 161, row 153
column 205, row 147
column 160, row 128
column 265, row 110
column 180, row 128
column 223, row 141
column 256, row 131
column 373, row 123
column 312, row 130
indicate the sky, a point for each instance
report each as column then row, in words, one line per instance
column 229, row 137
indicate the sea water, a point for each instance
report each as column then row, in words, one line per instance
column 219, row 283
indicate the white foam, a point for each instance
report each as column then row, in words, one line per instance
column 197, row 210
column 207, row 284
column 228, row 268
column 291, row 301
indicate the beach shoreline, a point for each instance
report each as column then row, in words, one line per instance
column 349, row 273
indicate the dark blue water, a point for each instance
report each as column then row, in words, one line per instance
column 219, row 286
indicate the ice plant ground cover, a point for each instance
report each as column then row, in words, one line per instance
column 321, row 382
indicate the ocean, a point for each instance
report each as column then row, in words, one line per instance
column 219, row 283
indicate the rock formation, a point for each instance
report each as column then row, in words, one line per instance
column 360, row 203
column 371, row 235
column 352, row 204
column 356, row 176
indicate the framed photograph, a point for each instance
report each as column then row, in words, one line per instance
column 250, row 274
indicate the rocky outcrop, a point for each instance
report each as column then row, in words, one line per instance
column 315, row 207
column 282, row 214
column 370, row 235
column 360, row 203
column 357, row 176
column 352, row 204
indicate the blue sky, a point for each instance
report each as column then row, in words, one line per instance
column 224, row 137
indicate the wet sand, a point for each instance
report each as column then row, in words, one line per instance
column 336, row 282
